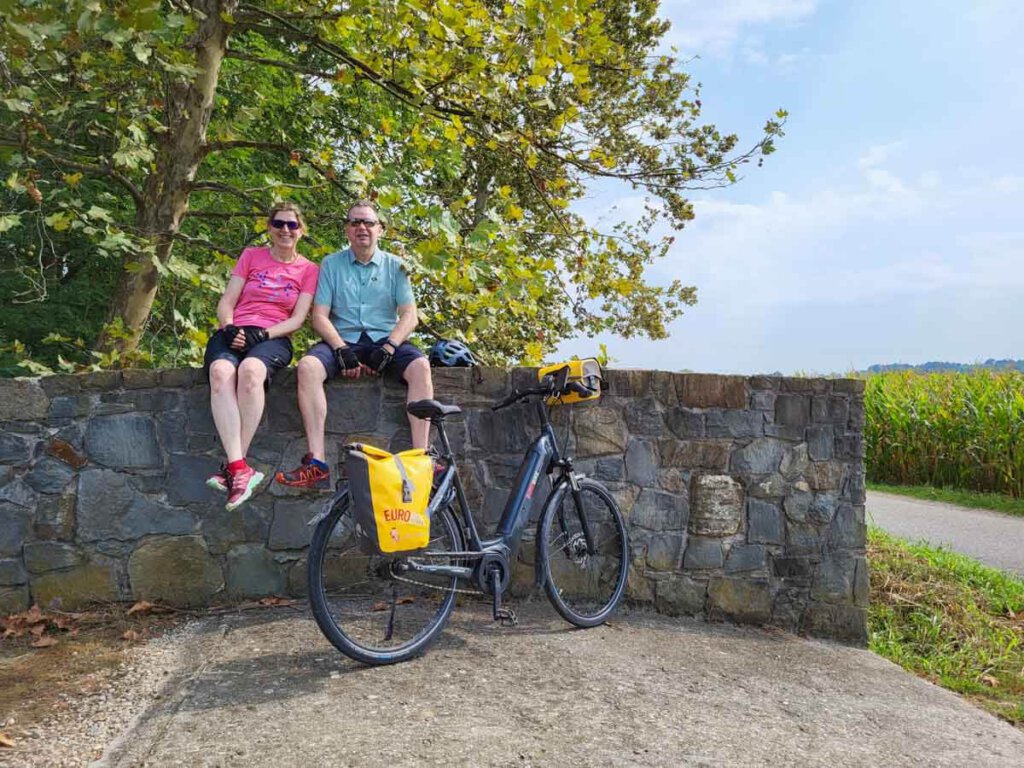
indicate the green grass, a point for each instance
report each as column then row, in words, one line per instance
column 950, row 620
column 975, row 499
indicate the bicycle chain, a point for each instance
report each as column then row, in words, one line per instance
column 396, row 577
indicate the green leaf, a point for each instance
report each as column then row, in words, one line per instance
column 9, row 221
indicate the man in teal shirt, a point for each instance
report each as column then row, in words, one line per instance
column 364, row 311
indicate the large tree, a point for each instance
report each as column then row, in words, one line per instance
column 150, row 133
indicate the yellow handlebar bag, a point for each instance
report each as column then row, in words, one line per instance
column 390, row 493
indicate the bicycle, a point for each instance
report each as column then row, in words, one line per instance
column 386, row 609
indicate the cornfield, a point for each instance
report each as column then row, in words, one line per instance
column 947, row 430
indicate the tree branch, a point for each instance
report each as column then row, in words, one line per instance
column 216, row 186
column 280, row 65
column 98, row 170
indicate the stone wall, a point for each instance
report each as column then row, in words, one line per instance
column 744, row 496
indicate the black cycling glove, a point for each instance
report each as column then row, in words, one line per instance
column 230, row 331
column 254, row 335
column 379, row 359
column 346, row 357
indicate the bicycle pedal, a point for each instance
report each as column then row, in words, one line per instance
column 506, row 617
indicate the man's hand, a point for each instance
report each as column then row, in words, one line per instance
column 379, row 359
column 348, row 362
column 253, row 335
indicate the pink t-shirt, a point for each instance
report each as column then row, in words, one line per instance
column 271, row 287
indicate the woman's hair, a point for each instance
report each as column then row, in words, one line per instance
column 276, row 208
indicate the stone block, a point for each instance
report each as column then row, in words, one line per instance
column 663, row 388
column 65, row 384
column 253, row 572
column 797, row 505
column 186, row 479
column 140, row 378
column 744, row 558
column 100, row 381
column 15, row 524
column 49, row 475
column 855, row 488
column 13, row 599
column 663, row 551
column 643, row 417
column 802, row 539
column 15, row 449
column 833, row 580
column 642, row 463
column 763, row 401
column 12, row 573
column 123, row 441
column 820, row 441
column 109, row 508
column 861, row 583
column 857, row 417
column 850, row 446
column 639, row 589
column 826, row 475
column 19, row 493
column 792, row 567
column 845, row 530
column 627, row 382
column 846, row 623
column 783, row 432
column 739, row 599
column 182, row 378
column 490, row 382
column 75, row 587
column 685, row 423
column 822, row 508
column 702, row 554
column 673, row 480
column 716, row 505
column 681, row 596
column 830, row 409
column 55, row 517
column 788, row 609
column 761, row 457
column 451, row 381
column 66, row 452
column 771, row 487
column 501, row 432
column 22, row 400
column 177, row 570
column 849, row 386
column 705, row 390
column 792, row 410
column 288, row 529
column 658, row 511
column 600, row 431
column 804, row 384
column 612, row 469
column 248, row 524
column 43, row 556
column 765, row 523
column 734, row 423
column 173, row 431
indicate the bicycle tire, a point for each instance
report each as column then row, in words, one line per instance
column 585, row 588
column 357, row 603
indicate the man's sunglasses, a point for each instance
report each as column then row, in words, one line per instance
column 368, row 223
column 281, row 224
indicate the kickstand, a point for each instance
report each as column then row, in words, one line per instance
column 504, row 616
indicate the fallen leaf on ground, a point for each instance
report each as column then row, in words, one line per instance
column 274, row 600
column 5, row 740
column 140, row 607
column 44, row 642
column 38, row 629
column 990, row 681
column 130, row 635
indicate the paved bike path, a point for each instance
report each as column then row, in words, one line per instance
column 991, row 537
column 265, row 689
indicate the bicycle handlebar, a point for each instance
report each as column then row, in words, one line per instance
column 544, row 389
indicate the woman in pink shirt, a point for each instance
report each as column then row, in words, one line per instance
column 267, row 300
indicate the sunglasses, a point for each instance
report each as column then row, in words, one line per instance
column 368, row 223
column 281, row 224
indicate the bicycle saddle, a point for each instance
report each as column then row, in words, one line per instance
column 431, row 409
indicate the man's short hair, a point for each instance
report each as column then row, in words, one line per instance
column 364, row 203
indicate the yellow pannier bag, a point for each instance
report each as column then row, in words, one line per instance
column 390, row 493
column 586, row 372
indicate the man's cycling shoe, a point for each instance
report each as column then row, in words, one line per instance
column 306, row 475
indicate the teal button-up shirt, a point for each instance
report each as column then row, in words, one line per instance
column 363, row 297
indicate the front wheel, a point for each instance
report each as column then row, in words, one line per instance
column 584, row 553
column 370, row 607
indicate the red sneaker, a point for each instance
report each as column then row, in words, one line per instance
column 220, row 481
column 242, row 486
column 306, row 475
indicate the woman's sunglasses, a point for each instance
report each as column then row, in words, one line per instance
column 281, row 224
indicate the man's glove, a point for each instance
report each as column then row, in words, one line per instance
column 346, row 357
column 379, row 359
column 253, row 335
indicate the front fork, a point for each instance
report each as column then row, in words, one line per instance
column 573, row 479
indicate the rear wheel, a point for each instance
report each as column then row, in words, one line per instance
column 365, row 604
column 584, row 553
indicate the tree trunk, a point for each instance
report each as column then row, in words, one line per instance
column 166, row 192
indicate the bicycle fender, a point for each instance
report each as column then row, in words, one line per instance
column 328, row 505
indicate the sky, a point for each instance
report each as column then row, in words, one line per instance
column 888, row 226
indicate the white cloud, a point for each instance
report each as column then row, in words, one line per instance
column 716, row 28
